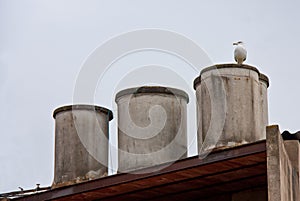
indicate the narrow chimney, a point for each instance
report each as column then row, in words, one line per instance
column 81, row 143
column 232, row 106
column 152, row 126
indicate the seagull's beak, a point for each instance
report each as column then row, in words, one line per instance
column 235, row 43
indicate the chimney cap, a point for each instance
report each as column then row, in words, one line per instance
column 264, row 78
column 83, row 107
column 152, row 89
column 220, row 66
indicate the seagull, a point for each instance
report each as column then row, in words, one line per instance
column 240, row 53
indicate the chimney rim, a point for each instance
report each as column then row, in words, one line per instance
column 152, row 90
column 83, row 107
column 230, row 65
column 264, row 78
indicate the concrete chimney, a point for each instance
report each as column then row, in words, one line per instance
column 81, row 143
column 152, row 126
column 232, row 107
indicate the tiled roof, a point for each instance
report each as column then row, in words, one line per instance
column 219, row 174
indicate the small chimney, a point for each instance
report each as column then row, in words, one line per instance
column 152, row 126
column 81, row 143
column 232, row 107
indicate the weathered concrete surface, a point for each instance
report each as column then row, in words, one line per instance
column 81, row 143
column 232, row 106
column 263, row 93
column 293, row 151
column 283, row 174
column 152, row 127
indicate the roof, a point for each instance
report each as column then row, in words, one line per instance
column 219, row 174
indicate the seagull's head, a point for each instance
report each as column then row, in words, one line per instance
column 238, row 43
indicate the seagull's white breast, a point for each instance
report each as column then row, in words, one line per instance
column 240, row 54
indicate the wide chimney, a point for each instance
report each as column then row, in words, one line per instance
column 152, row 126
column 232, row 107
column 81, row 143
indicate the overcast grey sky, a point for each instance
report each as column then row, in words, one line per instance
column 43, row 45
